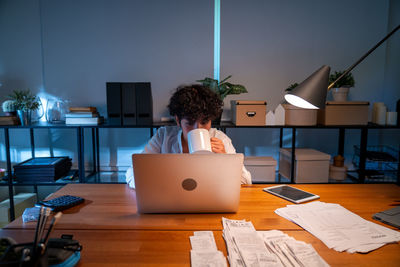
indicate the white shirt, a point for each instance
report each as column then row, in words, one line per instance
column 168, row 139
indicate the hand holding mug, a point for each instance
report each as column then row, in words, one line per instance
column 217, row 145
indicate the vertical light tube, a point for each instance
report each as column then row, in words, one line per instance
column 41, row 45
column 43, row 87
column 217, row 27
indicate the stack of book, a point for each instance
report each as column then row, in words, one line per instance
column 83, row 115
column 9, row 120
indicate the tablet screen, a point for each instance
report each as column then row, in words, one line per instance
column 290, row 192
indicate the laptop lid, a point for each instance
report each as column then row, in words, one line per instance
column 390, row 216
column 187, row 183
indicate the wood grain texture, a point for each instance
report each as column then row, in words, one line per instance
column 113, row 206
column 155, row 248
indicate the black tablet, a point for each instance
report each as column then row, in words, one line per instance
column 290, row 193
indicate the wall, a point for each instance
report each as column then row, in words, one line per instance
column 268, row 45
column 392, row 71
column 70, row 49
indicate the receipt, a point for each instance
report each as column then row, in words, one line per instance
column 207, row 258
column 204, row 250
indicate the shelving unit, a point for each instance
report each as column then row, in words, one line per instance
column 94, row 175
column 381, row 162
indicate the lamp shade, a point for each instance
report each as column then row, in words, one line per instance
column 311, row 93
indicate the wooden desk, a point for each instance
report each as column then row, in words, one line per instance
column 113, row 233
column 114, row 207
column 155, row 248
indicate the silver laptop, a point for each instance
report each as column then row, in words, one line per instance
column 187, row 183
column 390, row 216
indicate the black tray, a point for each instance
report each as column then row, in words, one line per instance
column 43, row 169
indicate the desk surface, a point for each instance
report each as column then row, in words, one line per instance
column 155, row 248
column 114, row 207
column 112, row 232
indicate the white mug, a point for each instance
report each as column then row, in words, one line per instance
column 199, row 141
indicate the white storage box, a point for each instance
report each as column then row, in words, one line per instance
column 311, row 166
column 262, row 169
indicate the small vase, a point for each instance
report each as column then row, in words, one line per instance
column 24, row 116
column 56, row 110
column 340, row 94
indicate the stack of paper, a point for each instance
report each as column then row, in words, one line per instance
column 204, row 250
column 339, row 228
column 248, row 247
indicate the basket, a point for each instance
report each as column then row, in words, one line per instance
column 381, row 163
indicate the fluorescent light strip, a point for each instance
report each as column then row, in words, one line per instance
column 217, row 35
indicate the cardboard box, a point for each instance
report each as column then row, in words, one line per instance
column 311, row 166
column 262, row 169
column 21, row 202
column 299, row 116
column 344, row 113
column 248, row 113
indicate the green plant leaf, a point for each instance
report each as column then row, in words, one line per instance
column 237, row 89
column 291, row 87
column 223, row 88
column 25, row 100
column 346, row 81
column 227, row 78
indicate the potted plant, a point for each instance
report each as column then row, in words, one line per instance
column 341, row 89
column 25, row 102
column 9, row 108
column 223, row 88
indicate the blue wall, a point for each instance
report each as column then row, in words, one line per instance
column 70, row 49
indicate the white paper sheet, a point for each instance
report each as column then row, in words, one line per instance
column 339, row 228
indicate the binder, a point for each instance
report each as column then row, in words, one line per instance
column 128, row 99
column 144, row 103
column 114, row 107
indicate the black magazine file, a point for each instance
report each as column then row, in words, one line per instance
column 144, row 104
column 129, row 103
column 114, row 107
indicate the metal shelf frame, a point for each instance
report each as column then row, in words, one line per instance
column 223, row 126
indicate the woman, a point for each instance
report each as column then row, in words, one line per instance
column 193, row 107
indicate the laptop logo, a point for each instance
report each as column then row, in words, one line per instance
column 189, row 184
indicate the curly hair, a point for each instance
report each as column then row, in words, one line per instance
column 195, row 102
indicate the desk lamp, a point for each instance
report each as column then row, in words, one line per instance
column 311, row 93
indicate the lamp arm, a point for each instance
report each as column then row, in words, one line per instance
column 363, row 57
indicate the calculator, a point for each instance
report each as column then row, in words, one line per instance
column 62, row 202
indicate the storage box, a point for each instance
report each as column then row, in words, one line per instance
column 311, row 166
column 21, row 202
column 248, row 113
column 262, row 169
column 344, row 113
column 299, row 116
